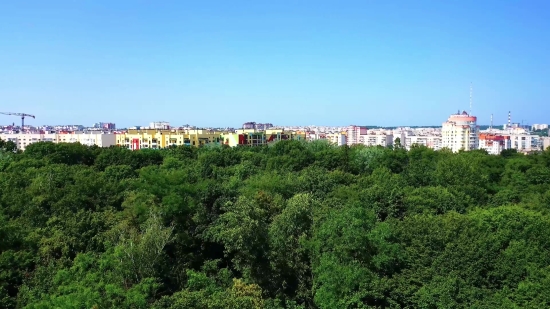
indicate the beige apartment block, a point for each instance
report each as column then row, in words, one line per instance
column 460, row 132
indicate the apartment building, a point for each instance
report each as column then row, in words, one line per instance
column 155, row 139
column 359, row 135
column 257, row 126
column 525, row 142
column 539, row 127
column 399, row 134
column 252, row 137
column 233, row 139
column 460, row 131
column 99, row 139
column 104, row 125
column 338, row 138
column 22, row 140
column 430, row 141
column 545, row 141
column 515, row 138
column 354, row 133
column 376, row 139
column 494, row 143
column 159, row 125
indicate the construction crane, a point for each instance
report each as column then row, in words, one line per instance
column 20, row 115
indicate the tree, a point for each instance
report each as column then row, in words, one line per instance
column 7, row 146
column 292, row 225
column 289, row 235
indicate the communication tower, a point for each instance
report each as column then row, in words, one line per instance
column 470, row 98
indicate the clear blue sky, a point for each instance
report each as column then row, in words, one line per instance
column 222, row 63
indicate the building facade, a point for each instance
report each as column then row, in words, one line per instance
column 159, row 125
column 376, row 139
column 494, row 143
column 257, row 126
column 525, row 142
column 430, row 141
column 536, row 127
column 136, row 139
column 338, row 138
column 22, row 140
column 359, row 135
column 252, row 137
column 460, row 132
column 354, row 134
column 105, row 126
column 545, row 141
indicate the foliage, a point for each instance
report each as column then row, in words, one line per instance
column 291, row 225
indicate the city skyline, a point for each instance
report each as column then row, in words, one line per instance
column 460, row 131
column 92, row 123
column 373, row 126
column 217, row 64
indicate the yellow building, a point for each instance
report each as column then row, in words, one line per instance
column 154, row 139
column 251, row 137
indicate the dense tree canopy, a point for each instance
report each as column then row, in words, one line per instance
column 290, row 225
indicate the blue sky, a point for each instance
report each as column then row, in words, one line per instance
column 222, row 63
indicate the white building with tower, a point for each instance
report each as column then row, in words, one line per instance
column 460, row 132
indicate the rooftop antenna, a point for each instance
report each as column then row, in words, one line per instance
column 470, row 98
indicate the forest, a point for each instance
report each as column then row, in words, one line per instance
column 290, row 225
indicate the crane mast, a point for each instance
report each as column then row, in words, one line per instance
column 22, row 115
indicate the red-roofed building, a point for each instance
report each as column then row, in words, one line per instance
column 494, row 143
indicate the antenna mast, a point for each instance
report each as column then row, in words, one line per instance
column 491, row 127
column 509, row 119
column 470, row 98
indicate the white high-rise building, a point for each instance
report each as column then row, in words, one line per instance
column 354, row 134
column 460, row 131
